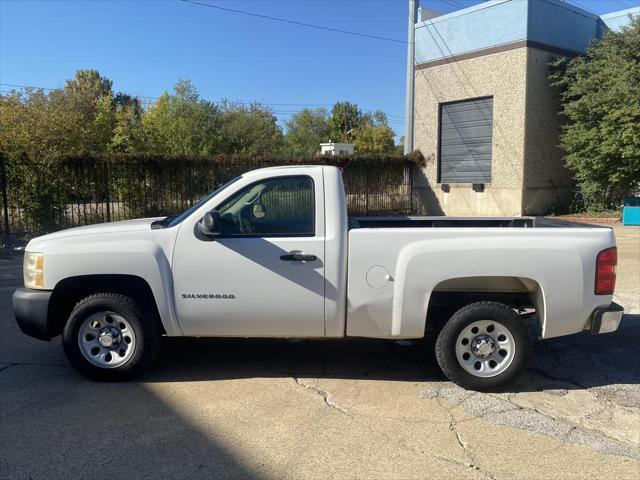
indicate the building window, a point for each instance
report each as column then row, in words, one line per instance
column 465, row 141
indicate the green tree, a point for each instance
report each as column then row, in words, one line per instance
column 19, row 121
column 249, row 129
column 600, row 95
column 370, row 132
column 306, row 130
column 86, row 110
column 42, row 127
column 182, row 123
column 78, row 118
column 128, row 134
column 374, row 135
column 345, row 118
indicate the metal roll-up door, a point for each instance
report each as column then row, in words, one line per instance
column 465, row 141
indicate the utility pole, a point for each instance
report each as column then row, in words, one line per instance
column 408, row 114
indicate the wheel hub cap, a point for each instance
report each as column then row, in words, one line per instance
column 109, row 337
column 106, row 339
column 483, row 346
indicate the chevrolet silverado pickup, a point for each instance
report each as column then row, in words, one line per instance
column 274, row 254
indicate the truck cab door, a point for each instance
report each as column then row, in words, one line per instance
column 263, row 276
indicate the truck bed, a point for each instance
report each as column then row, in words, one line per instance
column 395, row 264
column 463, row 222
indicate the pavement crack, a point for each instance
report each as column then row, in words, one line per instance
column 29, row 364
column 471, row 461
column 502, row 410
column 460, row 442
column 326, row 396
column 452, row 427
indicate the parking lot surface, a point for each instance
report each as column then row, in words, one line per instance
column 281, row 409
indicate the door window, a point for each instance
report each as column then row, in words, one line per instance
column 277, row 207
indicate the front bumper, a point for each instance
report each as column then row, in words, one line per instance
column 31, row 308
column 606, row 320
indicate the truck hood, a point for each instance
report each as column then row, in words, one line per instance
column 125, row 226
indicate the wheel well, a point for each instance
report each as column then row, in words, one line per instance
column 519, row 293
column 70, row 290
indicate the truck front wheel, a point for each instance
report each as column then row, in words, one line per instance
column 484, row 346
column 109, row 337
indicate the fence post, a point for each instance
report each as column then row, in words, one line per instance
column 190, row 186
column 411, row 165
column 106, row 190
column 366, row 195
column 5, row 201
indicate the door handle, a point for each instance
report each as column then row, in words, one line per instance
column 298, row 257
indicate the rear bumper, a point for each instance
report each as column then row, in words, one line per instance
column 606, row 320
column 31, row 309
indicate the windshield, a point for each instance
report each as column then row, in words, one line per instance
column 175, row 220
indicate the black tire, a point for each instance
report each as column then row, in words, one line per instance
column 436, row 319
column 145, row 328
column 498, row 313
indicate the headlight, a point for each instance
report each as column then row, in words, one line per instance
column 33, row 270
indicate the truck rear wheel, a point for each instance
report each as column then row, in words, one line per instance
column 484, row 346
column 108, row 337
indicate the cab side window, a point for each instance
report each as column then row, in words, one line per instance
column 275, row 207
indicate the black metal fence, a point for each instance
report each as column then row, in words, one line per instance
column 39, row 197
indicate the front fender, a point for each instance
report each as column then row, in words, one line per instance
column 111, row 255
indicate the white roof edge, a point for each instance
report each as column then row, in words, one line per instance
column 621, row 13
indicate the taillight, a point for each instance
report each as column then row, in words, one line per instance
column 606, row 271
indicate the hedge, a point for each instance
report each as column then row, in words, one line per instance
column 81, row 189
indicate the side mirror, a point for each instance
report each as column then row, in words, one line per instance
column 210, row 225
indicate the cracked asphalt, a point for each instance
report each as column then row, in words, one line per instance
column 229, row 408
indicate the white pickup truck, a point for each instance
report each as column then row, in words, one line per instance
column 273, row 254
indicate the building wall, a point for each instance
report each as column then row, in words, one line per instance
column 547, row 183
column 500, row 75
column 497, row 23
column 336, row 148
column 441, row 36
column 562, row 25
column 501, row 48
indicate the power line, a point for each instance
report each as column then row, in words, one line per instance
column 627, row 4
column 454, row 3
column 622, row 3
column 26, row 86
column 580, row 5
column 294, row 22
column 156, row 98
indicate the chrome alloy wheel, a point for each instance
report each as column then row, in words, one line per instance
column 106, row 339
column 485, row 348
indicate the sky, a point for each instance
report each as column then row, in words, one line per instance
column 146, row 46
